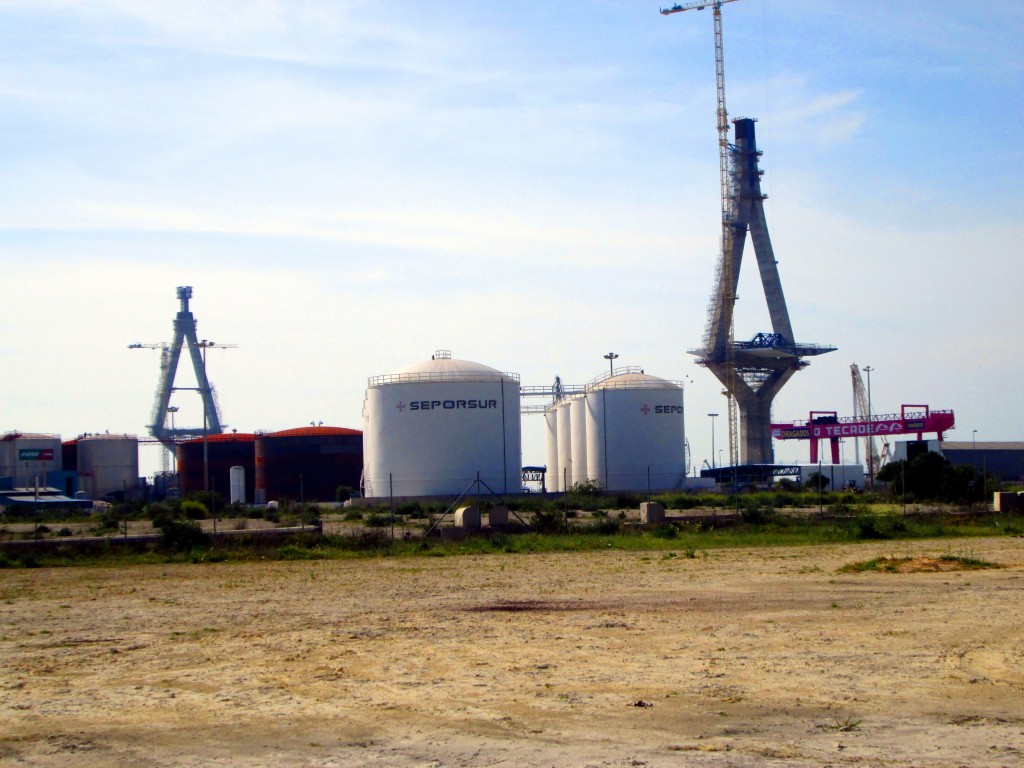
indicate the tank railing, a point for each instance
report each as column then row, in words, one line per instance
column 611, row 374
column 28, row 436
column 439, row 376
column 548, row 390
column 661, row 384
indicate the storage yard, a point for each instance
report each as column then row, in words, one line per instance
column 739, row 658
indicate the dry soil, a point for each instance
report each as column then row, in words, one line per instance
column 730, row 658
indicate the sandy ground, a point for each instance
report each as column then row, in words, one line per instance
column 733, row 658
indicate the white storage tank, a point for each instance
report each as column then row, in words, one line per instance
column 431, row 427
column 635, row 432
column 578, row 427
column 107, row 464
column 553, row 477
column 563, row 417
column 25, row 457
column 236, row 477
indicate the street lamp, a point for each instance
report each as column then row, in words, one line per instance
column 610, row 357
column 871, row 434
column 205, row 390
column 173, row 409
column 713, row 416
column 974, row 455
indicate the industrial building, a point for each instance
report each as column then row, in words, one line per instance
column 434, row 427
column 71, row 473
column 1003, row 459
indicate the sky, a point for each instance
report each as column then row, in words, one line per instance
column 350, row 185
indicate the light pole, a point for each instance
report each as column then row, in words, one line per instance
column 610, row 357
column 713, row 416
column 206, row 443
column 974, row 452
column 871, row 434
column 173, row 409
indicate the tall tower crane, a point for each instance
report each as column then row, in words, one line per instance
column 724, row 273
column 752, row 372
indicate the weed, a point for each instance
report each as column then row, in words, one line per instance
column 844, row 725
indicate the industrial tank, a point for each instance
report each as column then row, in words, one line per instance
column 225, row 451
column 308, row 463
column 107, row 464
column 563, row 419
column 635, row 432
column 554, row 474
column 431, row 427
column 578, row 428
column 25, row 457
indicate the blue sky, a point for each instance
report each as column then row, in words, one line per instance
column 349, row 186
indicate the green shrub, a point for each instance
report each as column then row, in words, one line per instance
column 667, row 531
column 757, row 514
column 868, row 527
column 181, row 536
column 194, row 510
column 549, row 521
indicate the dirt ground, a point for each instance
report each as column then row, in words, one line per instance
column 730, row 658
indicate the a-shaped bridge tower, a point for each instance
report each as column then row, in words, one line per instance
column 170, row 354
column 752, row 372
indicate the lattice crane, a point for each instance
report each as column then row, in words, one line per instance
column 863, row 410
column 724, row 273
column 753, row 372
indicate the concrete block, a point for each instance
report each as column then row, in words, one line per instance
column 652, row 512
column 498, row 516
column 467, row 517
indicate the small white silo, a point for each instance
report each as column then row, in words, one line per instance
column 236, row 478
column 578, row 425
column 635, row 432
column 431, row 427
column 107, row 464
column 553, row 479
column 563, row 415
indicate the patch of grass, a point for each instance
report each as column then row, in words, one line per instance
column 922, row 564
column 295, row 552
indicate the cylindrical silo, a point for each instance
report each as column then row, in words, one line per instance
column 107, row 464
column 578, row 426
column 308, row 463
column 563, row 416
column 432, row 427
column 635, row 432
column 27, row 457
column 553, row 476
column 236, row 477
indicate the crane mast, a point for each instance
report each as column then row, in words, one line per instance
column 860, row 400
column 724, row 274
